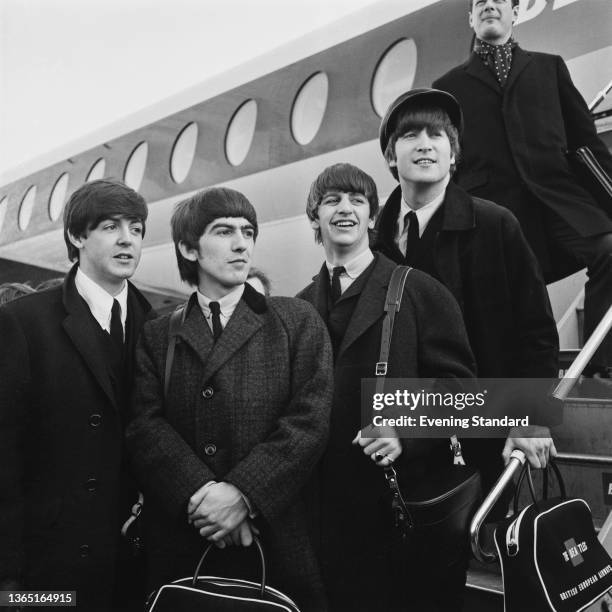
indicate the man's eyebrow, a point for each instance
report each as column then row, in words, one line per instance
column 339, row 191
column 226, row 225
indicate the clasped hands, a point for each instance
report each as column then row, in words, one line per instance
column 218, row 511
column 381, row 444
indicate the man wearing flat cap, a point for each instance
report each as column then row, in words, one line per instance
column 522, row 114
column 477, row 250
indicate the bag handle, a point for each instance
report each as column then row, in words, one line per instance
column 552, row 466
column 262, row 559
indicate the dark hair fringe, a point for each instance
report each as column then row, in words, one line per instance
column 192, row 216
column 98, row 200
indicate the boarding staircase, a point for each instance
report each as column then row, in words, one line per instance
column 584, row 443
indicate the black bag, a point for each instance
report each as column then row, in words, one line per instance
column 550, row 556
column 592, row 177
column 216, row 594
column 438, row 510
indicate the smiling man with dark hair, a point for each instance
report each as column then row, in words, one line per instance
column 364, row 566
column 65, row 375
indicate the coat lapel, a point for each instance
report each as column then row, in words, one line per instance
column 244, row 322
column 195, row 330
column 238, row 331
column 476, row 68
column 371, row 303
column 320, row 289
column 520, row 60
column 458, row 217
column 79, row 325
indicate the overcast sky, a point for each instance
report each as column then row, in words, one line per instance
column 68, row 67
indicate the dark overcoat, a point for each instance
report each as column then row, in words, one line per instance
column 251, row 409
column 482, row 257
column 429, row 341
column 515, row 142
column 61, row 446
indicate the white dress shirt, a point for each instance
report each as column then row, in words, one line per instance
column 227, row 304
column 352, row 268
column 100, row 302
column 423, row 214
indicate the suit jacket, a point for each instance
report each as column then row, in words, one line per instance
column 514, row 145
column 251, row 409
column 61, row 446
column 429, row 341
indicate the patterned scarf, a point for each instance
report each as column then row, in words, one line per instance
column 497, row 57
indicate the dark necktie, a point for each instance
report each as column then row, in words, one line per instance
column 336, row 290
column 116, row 329
column 215, row 310
column 412, row 241
column 497, row 57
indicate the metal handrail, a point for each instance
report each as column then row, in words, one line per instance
column 517, row 459
column 566, row 384
column 600, row 97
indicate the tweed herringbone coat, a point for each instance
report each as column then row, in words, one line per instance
column 251, row 409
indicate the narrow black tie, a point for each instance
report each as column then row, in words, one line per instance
column 116, row 329
column 215, row 310
column 412, row 241
column 336, row 290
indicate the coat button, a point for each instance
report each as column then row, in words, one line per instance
column 210, row 449
column 84, row 550
column 91, row 485
column 208, row 392
column 95, row 420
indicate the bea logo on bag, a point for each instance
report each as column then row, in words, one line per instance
column 573, row 551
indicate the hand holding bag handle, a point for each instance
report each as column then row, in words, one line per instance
column 545, row 477
column 262, row 560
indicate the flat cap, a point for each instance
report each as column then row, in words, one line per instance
column 423, row 97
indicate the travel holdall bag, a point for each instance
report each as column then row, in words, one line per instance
column 550, row 556
column 217, row 594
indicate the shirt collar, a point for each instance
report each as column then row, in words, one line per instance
column 424, row 214
column 100, row 302
column 355, row 266
column 227, row 303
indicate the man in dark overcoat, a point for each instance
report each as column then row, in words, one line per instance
column 364, row 566
column 522, row 115
column 231, row 448
column 477, row 250
column 65, row 371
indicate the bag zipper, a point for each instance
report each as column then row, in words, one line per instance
column 512, row 534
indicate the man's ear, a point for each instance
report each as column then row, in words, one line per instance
column 314, row 223
column 515, row 13
column 471, row 20
column 187, row 252
column 371, row 223
column 75, row 241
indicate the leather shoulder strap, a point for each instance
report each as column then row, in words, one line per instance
column 392, row 305
column 177, row 319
